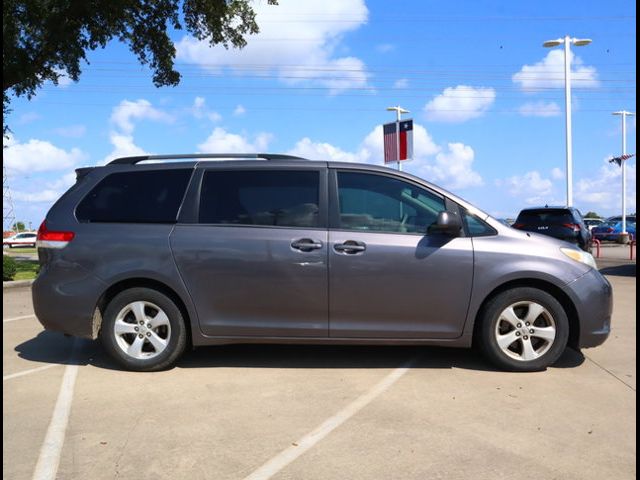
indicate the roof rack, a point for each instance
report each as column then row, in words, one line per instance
column 182, row 156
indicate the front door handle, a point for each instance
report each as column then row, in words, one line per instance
column 306, row 244
column 350, row 247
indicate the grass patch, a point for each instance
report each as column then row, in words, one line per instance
column 19, row 250
column 26, row 270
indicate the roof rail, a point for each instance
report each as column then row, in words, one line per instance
column 182, row 156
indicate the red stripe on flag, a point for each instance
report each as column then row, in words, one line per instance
column 403, row 145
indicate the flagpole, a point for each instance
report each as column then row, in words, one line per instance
column 623, row 163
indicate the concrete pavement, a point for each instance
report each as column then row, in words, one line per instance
column 226, row 411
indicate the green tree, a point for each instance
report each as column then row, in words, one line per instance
column 591, row 215
column 46, row 39
column 19, row 226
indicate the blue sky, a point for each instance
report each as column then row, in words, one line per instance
column 486, row 98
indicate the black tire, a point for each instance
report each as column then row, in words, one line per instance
column 177, row 339
column 489, row 320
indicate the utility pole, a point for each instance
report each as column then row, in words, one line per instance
column 567, row 42
column 399, row 111
column 623, row 114
column 8, row 214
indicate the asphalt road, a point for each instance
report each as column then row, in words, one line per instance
column 301, row 412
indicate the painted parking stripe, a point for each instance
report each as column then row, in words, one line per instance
column 51, row 450
column 6, row 320
column 28, row 372
column 288, row 455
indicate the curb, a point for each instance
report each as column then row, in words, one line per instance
column 17, row 284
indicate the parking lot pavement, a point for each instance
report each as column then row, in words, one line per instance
column 305, row 412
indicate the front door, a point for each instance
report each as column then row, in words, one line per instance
column 388, row 277
column 255, row 262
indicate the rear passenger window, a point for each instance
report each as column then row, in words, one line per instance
column 283, row 198
column 136, row 197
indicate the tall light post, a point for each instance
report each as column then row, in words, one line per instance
column 578, row 42
column 623, row 114
column 399, row 111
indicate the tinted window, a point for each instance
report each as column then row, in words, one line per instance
column 548, row 216
column 383, row 204
column 136, row 197
column 477, row 227
column 284, row 198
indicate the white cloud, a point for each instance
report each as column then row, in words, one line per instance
column 42, row 196
column 557, row 174
column 38, row 156
column 127, row 111
column 199, row 110
column 401, row 83
column 71, row 131
column 459, row 104
column 296, row 50
column 539, row 109
column 549, row 72
column 531, row 187
column 323, row 151
column 123, row 146
column 28, row 117
column 453, row 169
column 239, row 110
column 221, row 141
column 602, row 190
column 385, row 47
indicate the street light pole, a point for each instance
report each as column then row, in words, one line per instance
column 399, row 111
column 567, row 41
column 623, row 165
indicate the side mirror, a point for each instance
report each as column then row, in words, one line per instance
column 448, row 223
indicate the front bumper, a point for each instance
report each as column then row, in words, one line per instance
column 592, row 296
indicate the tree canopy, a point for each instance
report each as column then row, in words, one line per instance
column 591, row 215
column 46, row 39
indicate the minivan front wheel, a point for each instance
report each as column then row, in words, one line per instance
column 143, row 330
column 524, row 329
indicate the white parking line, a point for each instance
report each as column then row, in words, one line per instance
column 288, row 455
column 17, row 318
column 28, row 372
column 51, row 450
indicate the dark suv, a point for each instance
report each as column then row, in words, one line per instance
column 262, row 248
column 563, row 223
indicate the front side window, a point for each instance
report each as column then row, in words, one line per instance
column 378, row 203
column 151, row 196
column 477, row 227
column 282, row 198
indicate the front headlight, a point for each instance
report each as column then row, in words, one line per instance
column 580, row 256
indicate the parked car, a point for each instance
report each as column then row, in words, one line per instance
column 261, row 248
column 592, row 222
column 23, row 239
column 563, row 223
column 612, row 227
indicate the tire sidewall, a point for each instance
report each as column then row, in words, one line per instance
column 177, row 341
column 490, row 317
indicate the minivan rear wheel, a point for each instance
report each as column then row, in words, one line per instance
column 524, row 329
column 143, row 330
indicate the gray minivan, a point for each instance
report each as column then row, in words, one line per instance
column 152, row 254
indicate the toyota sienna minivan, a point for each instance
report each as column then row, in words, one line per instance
column 156, row 253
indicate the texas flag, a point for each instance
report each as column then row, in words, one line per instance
column 406, row 139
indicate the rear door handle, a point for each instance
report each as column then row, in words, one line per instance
column 306, row 244
column 350, row 247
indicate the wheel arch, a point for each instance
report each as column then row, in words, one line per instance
column 137, row 282
column 545, row 286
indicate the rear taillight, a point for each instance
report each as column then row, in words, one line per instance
column 574, row 226
column 53, row 239
column 518, row 225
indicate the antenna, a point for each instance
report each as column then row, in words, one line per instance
column 8, row 214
